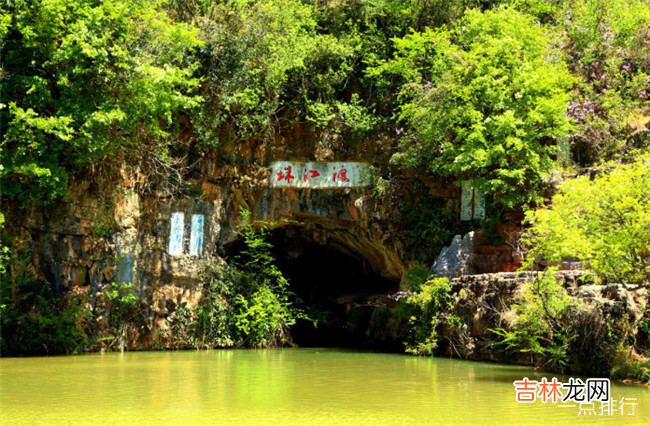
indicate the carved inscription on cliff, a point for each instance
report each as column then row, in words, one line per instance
column 319, row 175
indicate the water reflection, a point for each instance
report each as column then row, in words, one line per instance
column 294, row 386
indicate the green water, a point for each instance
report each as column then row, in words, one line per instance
column 278, row 387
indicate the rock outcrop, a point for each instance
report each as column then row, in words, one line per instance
column 120, row 233
column 454, row 260
column 484, row 303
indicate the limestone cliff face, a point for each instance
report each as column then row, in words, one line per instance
column 85, row 242
column 90, row 240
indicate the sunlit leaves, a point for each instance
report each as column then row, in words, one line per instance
column 87, row 78
column 604, row 223
column 483, row 101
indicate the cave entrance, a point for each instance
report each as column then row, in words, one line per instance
column 335, row 285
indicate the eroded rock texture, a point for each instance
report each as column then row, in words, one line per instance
column 120, row 233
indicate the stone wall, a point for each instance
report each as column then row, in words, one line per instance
column 483, row 302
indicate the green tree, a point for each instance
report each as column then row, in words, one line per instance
column 602, row 222
column 84, row 79
column 484, row 99
column 271, row 63
column 431, row 308
column 251, row 49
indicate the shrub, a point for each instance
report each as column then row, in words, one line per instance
column 84, row 79
column 263, row 312
column 542, row 310
column 213, row 323
column 33, row 320
column 430, row 310
column 627, row 367
column 122, row 310
column 605, row 44
column 604, row 223
column 563, row 333
column 415, row 277
column 243, row 304
column 429, row 224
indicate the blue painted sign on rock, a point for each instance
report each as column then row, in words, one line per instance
column 196, row 237
column 176, row 233
column 124, row 270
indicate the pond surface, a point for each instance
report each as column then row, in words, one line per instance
column 279, row 387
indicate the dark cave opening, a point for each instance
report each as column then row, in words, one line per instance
column 334, row 285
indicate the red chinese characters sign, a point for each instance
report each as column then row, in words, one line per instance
column 319, row 175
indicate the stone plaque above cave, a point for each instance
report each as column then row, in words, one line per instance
column 319, row 175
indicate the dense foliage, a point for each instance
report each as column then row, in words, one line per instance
column 562, row 333
column 431, row 307
column 85, row 79
column 484, row 100
column 543, row 323
column 33, row 320
column 605, row 44
column 263, row 310
column 429, row 318
column 246, row 304
column 603, row 222
column 543, row 312
column 480, row 89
